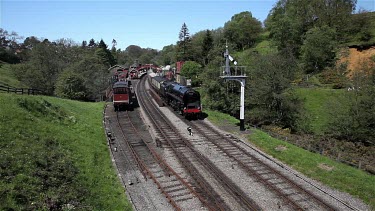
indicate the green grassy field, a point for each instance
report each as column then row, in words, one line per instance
column 7, row 77
column 341, row 177
column 263, row 45
column 53, row 152
column 318, row 102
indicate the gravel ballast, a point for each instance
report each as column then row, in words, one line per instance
column 145, row 195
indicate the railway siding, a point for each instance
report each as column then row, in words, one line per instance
column 228, row 160
column 330, row 199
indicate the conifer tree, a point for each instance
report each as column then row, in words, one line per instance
column 184, row 38
column 84, row 44
column 207, row 46
column 92, row 43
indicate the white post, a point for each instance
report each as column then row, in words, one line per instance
column 242, row 108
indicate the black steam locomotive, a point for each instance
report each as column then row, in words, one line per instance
column 183, row 99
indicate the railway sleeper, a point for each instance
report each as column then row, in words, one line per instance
column 151, row 164
column 182, row 193
column 184, row 199
column 292, row 193
column 158, row 176
column 180, row 188
column 250, row 164
column 229, row 147
column 302, row 200
column 278, row 183
column 232, row 152
column 238, row 156
column 170, row 181
column 138, row 144
column 172, row 186
column 179, row 146
column 268, row 176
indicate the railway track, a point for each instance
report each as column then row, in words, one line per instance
column 199, row 179
column 193, row 161
column 293, row 195
column 125, row 165
column 289, row 191
column 171, row 184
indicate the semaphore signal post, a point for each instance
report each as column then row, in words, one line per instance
column 236, row 73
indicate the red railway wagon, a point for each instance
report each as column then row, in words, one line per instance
column 122, row 95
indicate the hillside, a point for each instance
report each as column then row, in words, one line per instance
column 6, row 76
column 53, row 155
column 358, row 59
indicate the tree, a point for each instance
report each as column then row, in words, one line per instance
column 122, row 57
column 184, row 33
column 47, row 62
column 353, row 116
column 183, row 44
column 148, row 56
column 84, row 44
column 335, row 13
column 242, row 30
column 103, row 57
column 29, row 75
column 114, row 43
column 134, row 51
column 360, row 26
column 191, row 70
column 102, row 44
column 104, row 54
column 71, row 85
column 94, row 73
column 207, row 46
column 8, row 46
column 289, row 20
column 92, row 43
column 319, row 49
column 285, row 30
column 194, row 48
column 216, row 97
column 30, row 42
column 271, row 99
column 167, row 55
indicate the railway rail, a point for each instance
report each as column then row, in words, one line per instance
column 291, row 193
column 175, row 188
column 192, row 160
column 124, row 163
column 183, row 172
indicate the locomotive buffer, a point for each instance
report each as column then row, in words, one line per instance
column 240, row 76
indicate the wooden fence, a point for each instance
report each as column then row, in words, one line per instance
column 10, row 89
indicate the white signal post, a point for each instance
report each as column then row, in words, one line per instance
column 240, row 77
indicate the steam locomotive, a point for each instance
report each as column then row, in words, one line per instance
column 182, row 99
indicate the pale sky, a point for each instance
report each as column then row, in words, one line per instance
column 148, row 23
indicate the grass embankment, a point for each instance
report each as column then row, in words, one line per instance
column 318, row 104
column 7, row 77
column 53, row 152
column 334, row 174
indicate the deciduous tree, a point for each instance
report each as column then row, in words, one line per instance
column 71, row 85
column 271, row 101
column 242, row 29
column 319, row 49
column 289, row 20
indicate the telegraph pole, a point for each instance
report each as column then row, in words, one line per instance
column 236, row 76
